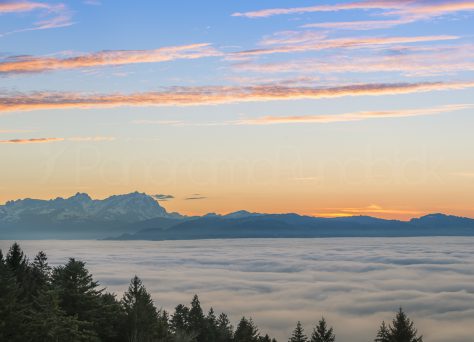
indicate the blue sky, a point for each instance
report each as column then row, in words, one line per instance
column 325, row 108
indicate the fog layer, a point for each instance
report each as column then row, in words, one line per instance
column 355, row 283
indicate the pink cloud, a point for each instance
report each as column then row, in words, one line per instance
column 353, row 116
column 22, row 64
column 186, row 96
column 342, row 43
column 408, row 9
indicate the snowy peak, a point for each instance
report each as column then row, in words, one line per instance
column 125, row 208
column 240, row 214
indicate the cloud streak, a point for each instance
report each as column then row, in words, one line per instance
column 85, row 139
column 21, row 6
column 54, row 15
column 338, row 43
column 163, row 197
column 187, row 96
column 358, row 25
column 354, row 116
column 49, row 140
column 408, row 10
column 440, row 60
column 31, row 141
column 30, row 64
column 360, row 5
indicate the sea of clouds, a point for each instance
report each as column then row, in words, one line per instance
column 354, row 282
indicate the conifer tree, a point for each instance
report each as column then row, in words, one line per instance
column 211, row 326
column 196, row 320
column 49, row 323
column 246, row 331
column 383, row 335
column 18, row 264
column 265, row 338
column 403, row 329
column 110, row 320
column 78, row 293
column 180, row 319
column 298, row 334
column 225, row 330
column 16, row 259
column 141, row 314
column 163, row 328
column 13, row 312
column 40, row 274
column 321, row 333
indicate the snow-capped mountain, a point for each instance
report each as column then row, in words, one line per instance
column 127, row 208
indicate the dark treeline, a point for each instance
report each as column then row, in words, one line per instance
column 64, row 303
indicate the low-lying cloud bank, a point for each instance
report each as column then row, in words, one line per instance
column 354, row 283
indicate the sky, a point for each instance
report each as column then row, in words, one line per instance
column 325, row 108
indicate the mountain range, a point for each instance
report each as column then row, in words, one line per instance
column 138, row 216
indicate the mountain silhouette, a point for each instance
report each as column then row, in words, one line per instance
column 138, row 216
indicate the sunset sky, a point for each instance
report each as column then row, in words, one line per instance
column 326, row 108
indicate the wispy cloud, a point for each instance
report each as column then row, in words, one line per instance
column 409, row 10
column 21, row 6
column 361, row 25
column 354, row 116
column 185, row 96
column 293, row 37
column 98, row 138
column 24, row 64
column 195, row 197
column 48, row 140
column 337, row 43
column 55, row 15
column 435, row 61
column 162, row 197
column 31, row 141
column 407, row 14
column 322, row 8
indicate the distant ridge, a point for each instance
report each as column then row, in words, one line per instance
column 78, row 216
column 138, row 216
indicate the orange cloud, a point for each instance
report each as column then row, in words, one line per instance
column 30, row 141
column 22, row 64
column 186, row 96
column 355, row 116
